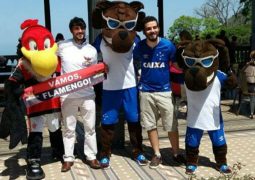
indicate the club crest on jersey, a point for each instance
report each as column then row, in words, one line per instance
column 154, row 64
column 146, row 56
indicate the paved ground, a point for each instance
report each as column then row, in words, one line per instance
column 240, row 134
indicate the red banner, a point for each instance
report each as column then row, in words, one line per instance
column 64, row 84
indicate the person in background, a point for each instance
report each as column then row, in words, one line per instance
column 249, row 70
column 197, row 37
column 59, row 37
column 155, row 94
column 225, row 66
column 76, row 54
column 208, row 36
column 232, row 50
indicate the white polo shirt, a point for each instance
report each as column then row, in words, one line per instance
column 74, row 57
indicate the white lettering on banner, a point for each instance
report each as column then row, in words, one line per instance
column 154, row 64
column 62, row 90
column 63, row 80
column 66, row 89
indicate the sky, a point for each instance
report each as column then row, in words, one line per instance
column 14, row 12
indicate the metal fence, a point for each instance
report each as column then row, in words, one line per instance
column 5, row 70
column 242, row 54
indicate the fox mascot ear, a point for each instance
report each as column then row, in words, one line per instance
column 97, row 20
column 137, row 6
column 224, row 59
column 181, row 45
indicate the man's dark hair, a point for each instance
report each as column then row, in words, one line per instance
column 234, row 38
column 59, row 37
column 149, row 19
column 76, row 21
column 223, row 33
column 185, row 35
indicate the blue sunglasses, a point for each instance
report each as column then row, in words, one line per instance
column 114, row 23
column 204, row 61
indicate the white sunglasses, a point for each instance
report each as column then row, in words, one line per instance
column 204, row 61
column 114, row 23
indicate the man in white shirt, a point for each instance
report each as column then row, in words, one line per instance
column 76, row 54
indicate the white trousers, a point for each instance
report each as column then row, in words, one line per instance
column 69, row 107
column 52, row 120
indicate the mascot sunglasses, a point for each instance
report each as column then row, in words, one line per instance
column 204, row 61
column 114, row 23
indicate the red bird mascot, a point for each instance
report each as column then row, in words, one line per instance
column 38, row 64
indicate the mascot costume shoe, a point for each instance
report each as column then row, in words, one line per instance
column 119, row 22
column 39, row 63
column 203, row 83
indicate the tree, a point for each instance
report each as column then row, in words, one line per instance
column 195, row 26
column 220, row 9
column 191, row 24
column 247, row 8
column 210, row 26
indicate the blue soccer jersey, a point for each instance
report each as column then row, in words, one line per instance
column 155, row 65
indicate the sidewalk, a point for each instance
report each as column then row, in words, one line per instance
column 240, row 134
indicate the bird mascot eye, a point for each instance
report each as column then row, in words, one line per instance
column 33, row 45
column 47, row 43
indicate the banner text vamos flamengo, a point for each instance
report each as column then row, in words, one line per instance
column 64, row 84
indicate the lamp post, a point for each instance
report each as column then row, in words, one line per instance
column 161, row 17
column 92, row 32
column 253, row 26
column 47, row 14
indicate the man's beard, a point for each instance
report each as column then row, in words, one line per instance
column 153, row 37
column 80, row 37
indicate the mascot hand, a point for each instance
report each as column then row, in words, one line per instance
column 18, row 130
column 5, row 125
column 106, row 68
column 13, row 122
column 13, row 88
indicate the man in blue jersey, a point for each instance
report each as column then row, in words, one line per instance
column 155, row 55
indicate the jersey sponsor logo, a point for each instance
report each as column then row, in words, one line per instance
column 154, row 64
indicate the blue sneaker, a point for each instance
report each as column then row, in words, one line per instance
column 141, row 160
column 105, row 163
column 190, row 169
column 225, row 169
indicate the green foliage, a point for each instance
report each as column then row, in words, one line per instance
column 243, row 33
column 195, row 26
column 211, row 26
column 191, row 24
column 246, row 11
column 206, row 26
